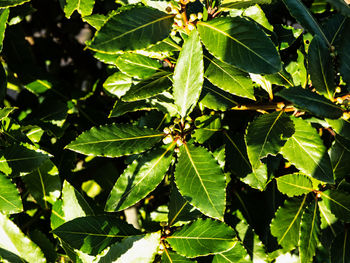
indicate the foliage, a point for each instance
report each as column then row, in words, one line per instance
column 174, row 131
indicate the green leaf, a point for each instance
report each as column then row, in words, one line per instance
column 4, row 14
column 304, row 17
column 10, row 3
column 257, row 14
column 6, row 111
column 321, row 68
column 294, row 184
column 286, row 224
column 118, row 84
column 92, row 234
column 15, row 242
column 341, row 6
column 188, row 74
column 115, row 140
column 287, row 35
column 341, row 127
column 338, row 202
column 171, row 257
column 136, row 65
column 327, row 218
column 45, row 245
column 132, row 29
column 230, row 79
column 340, row 154
column 240, row 43
column 238, row 4
column 135, row 249
column 10, row 200
column 237, row 254
column 340, row 249
column 44, row 184
column 84, row 7
column 203, row 237
column 95, row 20
column 311, row 102
column 149, row 87
column 343, row 53
column 206, row 126
column 309, row 233
column 266, row 135
column 298, row 71
column 201, row 181
column 257, row 178
column 180, row 210
column 3, row 84
column 140, row 178
column 306, row 151
column 216, row 99
column 17, row 160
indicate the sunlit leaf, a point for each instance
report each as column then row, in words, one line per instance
column 294, row 184
column 10, row 200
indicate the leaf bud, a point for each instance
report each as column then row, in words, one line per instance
column 168, row 139
column 338, row 90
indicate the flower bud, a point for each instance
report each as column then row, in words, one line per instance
column 190, row 27
column 168, row 139
column 200, row 16
column 187, row 126
column 193, row 17
column 166, row 130
column 179, row 143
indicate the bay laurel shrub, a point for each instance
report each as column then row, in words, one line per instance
column 174, row 131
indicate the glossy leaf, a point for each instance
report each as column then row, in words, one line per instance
column 188, row 75
column 321, row 69
column 136, row 65
column 309, row 233
column 304, row 17
column 344, row 57
column 298, row 71
column 230, row 79
column 140, row 178
column 118, row 84
column 10, row 3
column 340, row 154
column 294, row 184
column 132, row 29
column 240, row 43
column 206, row 126
column 4, row 14
column 92, row 234
column 18, row 160
column 10, row 200
column 286, row 224
column 238, row 4
column 142, row 248
column 341, row 127
column 5, row 112
column 171, row 257
column 257, row 178
column 150, row 87
column 3, row 83
column 266, row 135
column 338, row 203
column 306, row 151
column 84, row 7
column 44, row 184
column 203, row 237
column 340, row 249
column 216, row 99
column 237, row 254
column 341, row 6
column 115, row 140
column 15, row 242
column 95, row 20
column 311, row 102
column 201, row 181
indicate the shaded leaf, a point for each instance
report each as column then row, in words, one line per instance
column 188, row 75
column 238, row 4
column 230, row 79
column 266, row 135
column 206, row 126
column 84, row 7
column 216, row 99
column 294, row 184
column 340, row 154
column 18, row 160
column 298, row 71
column 10, row 3
column 201, row 181
column 237, row 254
column 245, row 45
column 286, row 224
column 343, row 53
column 3, row 84
column 341, row 127
column 321, row 68
column 203, row 237
column 150, row 87
column 44, row 184
column 115, row 140
column 257, row 178
column 309, row 233
column 14, row 242
column 139, row 179
column 5, row 112
column 338, row 202
column 45, row 245
column 286, row 35
column 92, row 234
column 311, row 102
column 304, row 17
column 132, row 29
column 136, row 65
column 306, row 151
column 341, row 6
column 10, row 200
column 340, row 249
column 135, row 249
